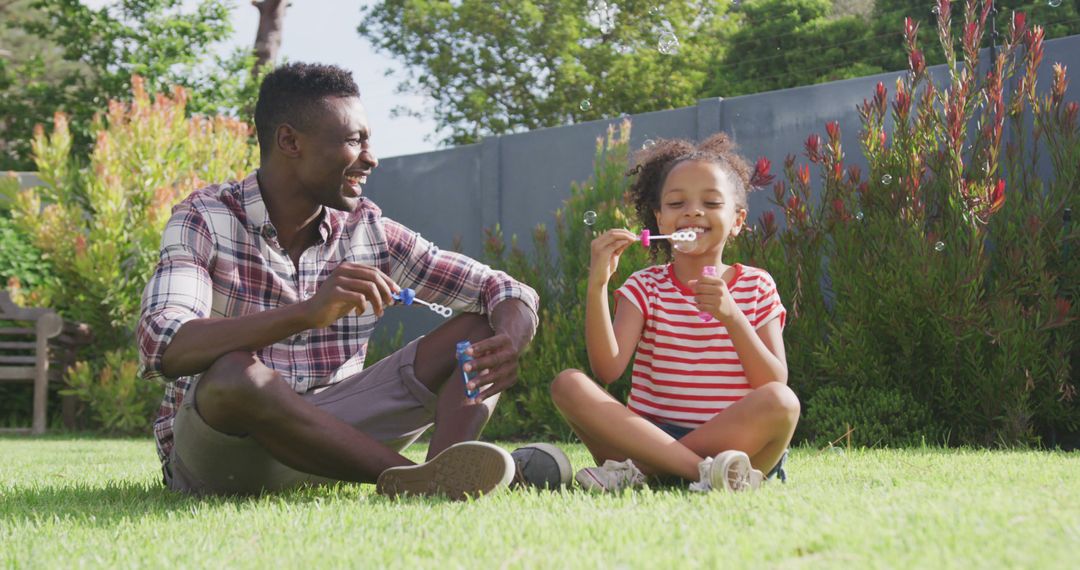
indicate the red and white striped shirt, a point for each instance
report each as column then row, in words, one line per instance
column 686, row 369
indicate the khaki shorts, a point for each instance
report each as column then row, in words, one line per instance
column 385, row 401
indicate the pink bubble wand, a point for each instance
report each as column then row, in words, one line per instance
column 681, row 235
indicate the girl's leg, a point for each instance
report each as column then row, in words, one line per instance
column 761, row 425
column 611, row 431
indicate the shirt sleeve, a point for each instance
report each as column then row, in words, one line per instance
column 450, row 278
column 633, row 290
column 768, row 305
column 180, row 289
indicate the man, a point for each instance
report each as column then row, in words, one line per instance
column 267, row 291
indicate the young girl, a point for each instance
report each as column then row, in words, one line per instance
column 709, row 400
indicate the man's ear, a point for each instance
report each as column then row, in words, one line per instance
column 740, row 221
column 287, row 140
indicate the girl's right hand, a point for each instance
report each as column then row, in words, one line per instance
column 606, row 249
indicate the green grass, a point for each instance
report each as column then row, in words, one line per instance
column 94, row 502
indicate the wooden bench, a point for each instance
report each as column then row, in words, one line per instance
column 37, row 346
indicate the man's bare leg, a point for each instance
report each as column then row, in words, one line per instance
column 241, row 396
column 457, row 418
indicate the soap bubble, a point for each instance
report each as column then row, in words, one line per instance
column 1054, row 3
column 939, row 246
column 649, row 143
column 590, row 218
column 585, row 105
column 684, row 246
column 602, row 15
column 886, row 179
column 859, row 215
column 668, row 43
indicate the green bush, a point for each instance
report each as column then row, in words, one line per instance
column 98, row 228
column 120, row 400
column 20, row 262
column 924, row 306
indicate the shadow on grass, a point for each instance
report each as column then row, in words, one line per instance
column 115, row 502
column 54, row 435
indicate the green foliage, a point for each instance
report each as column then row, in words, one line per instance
column 382, row 346
column 99, row 227
column 72, row 58
column 20, row 261
column 923, row 305
column 501, row 67
column 561, row 283
column 492, row 68
column 885, row 42
column 787, row 43
column 121, row 401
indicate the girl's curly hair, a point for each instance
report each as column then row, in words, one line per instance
column 653, row 164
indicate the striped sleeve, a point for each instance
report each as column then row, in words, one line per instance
column 180, row 289
column 634, row 290
column 768, row 305
column 450, row 278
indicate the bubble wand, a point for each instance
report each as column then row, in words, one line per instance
column 408, row 296
column 684, row 238
column 679, row 236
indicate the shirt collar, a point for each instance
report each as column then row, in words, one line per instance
column 258, row 218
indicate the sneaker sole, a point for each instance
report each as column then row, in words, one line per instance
column 467, row 469
column 566, row 471
column 737, row 473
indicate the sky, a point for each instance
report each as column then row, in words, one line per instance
column 324, row 31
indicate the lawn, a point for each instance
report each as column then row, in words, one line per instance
column 68, row 501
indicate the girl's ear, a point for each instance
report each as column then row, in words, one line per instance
column 740, row 220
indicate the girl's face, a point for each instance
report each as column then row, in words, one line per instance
column 699, row 195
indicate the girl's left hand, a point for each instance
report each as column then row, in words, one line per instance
column 712, row 296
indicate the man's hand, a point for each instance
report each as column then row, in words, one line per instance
column 496, row 359
column 350, row 287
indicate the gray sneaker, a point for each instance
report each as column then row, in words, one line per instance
column 467, row 469
column 541, row 465
column 611, row 477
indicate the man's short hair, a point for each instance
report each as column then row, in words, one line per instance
column 293, row 92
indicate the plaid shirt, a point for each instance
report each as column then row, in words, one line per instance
column 220, row 258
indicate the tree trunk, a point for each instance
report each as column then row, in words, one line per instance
column 268, row 37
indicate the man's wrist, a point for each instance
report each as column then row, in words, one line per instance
column 517, row 320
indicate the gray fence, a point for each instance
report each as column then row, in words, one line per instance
column 518, row 181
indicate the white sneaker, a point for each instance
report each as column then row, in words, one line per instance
column 728, row 471
column 611, row 477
